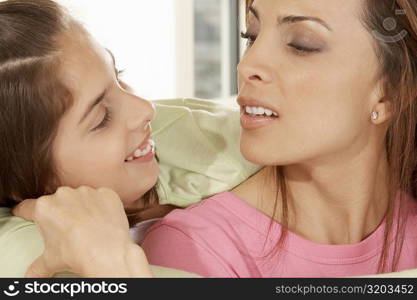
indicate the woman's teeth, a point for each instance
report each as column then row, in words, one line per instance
column 140, row 153
column 259, row 111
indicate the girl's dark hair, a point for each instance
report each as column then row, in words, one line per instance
column 397, row 53
column 32, row 98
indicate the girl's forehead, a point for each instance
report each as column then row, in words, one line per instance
column 82, row 61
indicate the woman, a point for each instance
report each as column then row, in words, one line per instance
column 67, row 120
column 338, row 206
column 328, row 95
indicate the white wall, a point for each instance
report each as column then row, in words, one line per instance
column 141, row 34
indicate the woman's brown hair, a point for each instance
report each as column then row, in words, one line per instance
column 393, row 24
column 33, row 99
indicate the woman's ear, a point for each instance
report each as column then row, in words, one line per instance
column 382, row 112
column 381, row 107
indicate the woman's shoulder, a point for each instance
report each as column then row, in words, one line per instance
column 201, row 239
column 411, row 210
column 211, row 210
column 20, row 244
column 212, row 220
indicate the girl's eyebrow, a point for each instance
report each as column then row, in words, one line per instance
column 293, row 19
column 112, row 57
column 96, row 102
column 101, row 97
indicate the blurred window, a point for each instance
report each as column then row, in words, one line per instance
column 168, row 48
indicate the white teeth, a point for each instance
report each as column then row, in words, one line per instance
column 147, row 149
column 255, row 111
column 139, row 153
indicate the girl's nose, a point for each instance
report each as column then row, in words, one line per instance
column 141, row 113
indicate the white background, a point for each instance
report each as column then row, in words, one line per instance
column 142, row 36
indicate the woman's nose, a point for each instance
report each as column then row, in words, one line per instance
column 141, row 113
column 254, row 67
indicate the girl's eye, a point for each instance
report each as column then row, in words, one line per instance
column 250, row 38
column 119, row 74
column 105, row 121
column 303, row 50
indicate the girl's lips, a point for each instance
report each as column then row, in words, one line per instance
column 249, row 122
column 143, row 155
column 141, row 146
column 144, row 159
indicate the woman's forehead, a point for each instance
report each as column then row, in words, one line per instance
column 333, row 11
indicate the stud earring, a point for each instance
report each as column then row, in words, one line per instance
column 374, row 116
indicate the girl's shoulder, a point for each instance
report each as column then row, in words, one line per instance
column 20, row 244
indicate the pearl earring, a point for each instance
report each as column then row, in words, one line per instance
column 374, row 116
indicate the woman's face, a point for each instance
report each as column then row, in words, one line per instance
column 312, row 64
column 99, row 135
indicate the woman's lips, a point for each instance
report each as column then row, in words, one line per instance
column 253, row 122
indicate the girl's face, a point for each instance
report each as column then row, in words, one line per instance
column 312, row 65
column 100, row 133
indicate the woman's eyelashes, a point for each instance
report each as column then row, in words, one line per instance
column 298, row 48
column 250, row 38
column 302, row 49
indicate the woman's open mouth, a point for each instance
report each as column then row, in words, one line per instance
column 255, row 117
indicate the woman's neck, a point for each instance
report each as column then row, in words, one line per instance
column 335, row 203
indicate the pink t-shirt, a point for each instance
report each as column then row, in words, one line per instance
column 224, row 236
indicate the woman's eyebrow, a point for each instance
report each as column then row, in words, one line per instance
column 293, row 19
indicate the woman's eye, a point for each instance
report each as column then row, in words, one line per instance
column 303, row 50
column 105, row 121
column 250, row 38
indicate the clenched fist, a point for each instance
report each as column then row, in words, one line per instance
column 86, row 231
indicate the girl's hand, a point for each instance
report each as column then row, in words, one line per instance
column 86, row 232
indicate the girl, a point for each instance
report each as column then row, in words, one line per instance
column 66, row 119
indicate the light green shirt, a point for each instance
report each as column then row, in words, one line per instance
column 198, row 148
